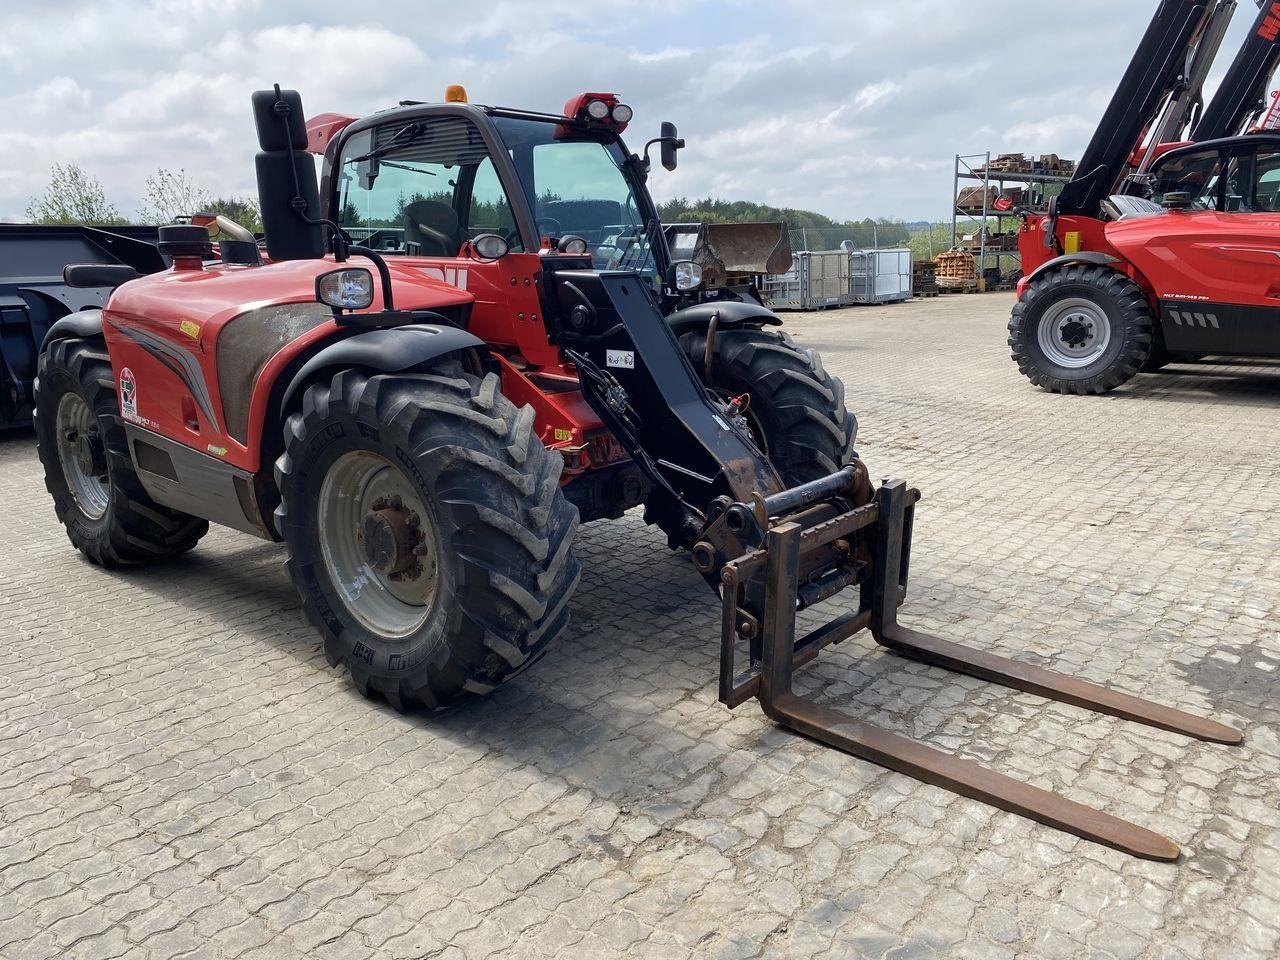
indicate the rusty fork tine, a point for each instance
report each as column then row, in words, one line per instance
column 964, row 777
column 1054, row 686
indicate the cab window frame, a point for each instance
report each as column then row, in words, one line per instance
column 340, row 149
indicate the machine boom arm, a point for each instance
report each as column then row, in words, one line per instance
column 1242, row 94
column 1159, row 70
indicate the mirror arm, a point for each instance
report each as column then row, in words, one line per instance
column 383, row 273
column 677, row 142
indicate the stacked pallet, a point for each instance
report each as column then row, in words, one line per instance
column 956, row 270
column 977, row 199
column 1007, row 163
column 924, row 278
column 1050, row 164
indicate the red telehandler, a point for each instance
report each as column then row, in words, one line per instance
column 1159, row 247
column 469, row 338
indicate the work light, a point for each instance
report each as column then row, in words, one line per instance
column 350, row 288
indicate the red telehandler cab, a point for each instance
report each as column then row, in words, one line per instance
column 468, row 340
column 1159, row 247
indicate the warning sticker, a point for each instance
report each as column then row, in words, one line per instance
column 191, row 329
column 621, row 359
column 128, row 394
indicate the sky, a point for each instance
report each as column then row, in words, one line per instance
column 853, row 108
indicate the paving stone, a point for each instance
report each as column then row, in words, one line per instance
column 182, row 776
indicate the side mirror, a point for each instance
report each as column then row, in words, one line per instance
column 84, row 276
column 670, row 144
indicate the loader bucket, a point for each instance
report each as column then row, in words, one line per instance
column 729, row 250
column 807, row 550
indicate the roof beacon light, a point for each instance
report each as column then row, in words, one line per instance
column 455, row 93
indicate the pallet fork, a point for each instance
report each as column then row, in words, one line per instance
column 763, row 589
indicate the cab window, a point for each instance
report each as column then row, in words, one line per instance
column 1198, row 174
column 421, row 188
column 1252, row 183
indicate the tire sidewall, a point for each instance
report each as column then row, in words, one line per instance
column 1034, row 315
column 366, row 651
column 55, row 382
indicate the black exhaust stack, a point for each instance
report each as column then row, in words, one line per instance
column 287, row 189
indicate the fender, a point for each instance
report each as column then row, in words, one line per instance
column 733, row 313
column 84, row 324
column 390, row 350
column 1084, row 256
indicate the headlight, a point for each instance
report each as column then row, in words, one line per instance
column 348, row 289
column 490, row 246
column 622, row 113
column 686, row 274
column 597, row 109
column 572, row 245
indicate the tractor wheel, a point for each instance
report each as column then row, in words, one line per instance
column 1081, row 329
column 87, row 468
column 797, row 411
column 426, row 532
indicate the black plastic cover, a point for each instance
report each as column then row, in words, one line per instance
column 88, row 275
column 278, row 129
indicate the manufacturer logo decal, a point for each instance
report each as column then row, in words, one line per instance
column 1185, row 318
column 128, row 395
column 621, row 359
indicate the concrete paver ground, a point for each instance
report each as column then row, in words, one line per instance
column 182, row 775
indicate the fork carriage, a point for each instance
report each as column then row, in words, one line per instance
column 807, row 555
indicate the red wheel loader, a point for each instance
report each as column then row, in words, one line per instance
column 465, row 340
column 1160, row 248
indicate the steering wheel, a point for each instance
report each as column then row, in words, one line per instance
column 554, row 232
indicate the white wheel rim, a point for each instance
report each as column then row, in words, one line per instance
column 1074, row 333
column 357, row 485
column 76, row 426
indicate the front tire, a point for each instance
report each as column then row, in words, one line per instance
column 427, row 533
column 1081, row 329
column 797, row 410
column 87, row 468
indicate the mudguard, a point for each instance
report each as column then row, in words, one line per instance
column 390, row 351
column 84, row 324
column 733, row 313
column 1084, row 256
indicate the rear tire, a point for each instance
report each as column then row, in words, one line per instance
column 1081, row 329
column 797, row 410
column 484, row 532
column 87, row 468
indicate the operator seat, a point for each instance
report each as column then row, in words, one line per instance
column 431, row 229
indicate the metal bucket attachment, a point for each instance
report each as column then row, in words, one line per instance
column 808, row 556
column 729, row 252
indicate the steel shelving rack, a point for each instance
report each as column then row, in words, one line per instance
column 975, row 168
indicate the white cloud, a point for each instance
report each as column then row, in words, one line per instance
column 854, row 109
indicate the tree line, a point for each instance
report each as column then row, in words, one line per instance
column 73, row 196
column 823, row 232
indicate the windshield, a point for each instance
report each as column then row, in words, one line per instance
column 1198, row 174
column 579, row 187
